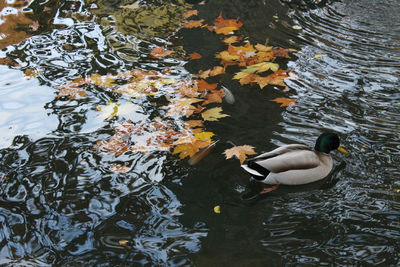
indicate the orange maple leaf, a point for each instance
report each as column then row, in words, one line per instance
column 195, row 55
column 240, row 152
column 285, row 102
column 225, row 26
column 160, row 52
column 202, row 85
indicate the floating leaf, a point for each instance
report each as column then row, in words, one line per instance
column 240, row 152
column 225, row 26
column 160, row 52
column 73, row 92
column 317, row 56
column 190, row 13
column 123, row 242
column 213, row 114
column 195, row 55
column 114, row 109
column 217, row 209
column 232, row 39
column 217, row 70
column 193, row 24
column 261, row 67
column 285, row 102
column 131, row 6
column 214, row 96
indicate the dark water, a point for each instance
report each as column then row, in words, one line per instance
column 61, row 205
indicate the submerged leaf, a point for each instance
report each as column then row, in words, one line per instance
column 160, row 52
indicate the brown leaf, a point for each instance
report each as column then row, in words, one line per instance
column 217, row 70
column 272, row 188
column 225, row 26
column 214, row 96
column 202, row 85
column 240, row 152
column 160, row 52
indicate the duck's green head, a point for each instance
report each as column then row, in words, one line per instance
column 327, row 142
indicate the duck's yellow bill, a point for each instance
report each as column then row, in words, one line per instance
column 341, row 149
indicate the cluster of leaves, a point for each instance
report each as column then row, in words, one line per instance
column 180, row 129
column 257, row 63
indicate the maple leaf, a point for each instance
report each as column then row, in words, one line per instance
column 232, row 39
column 276, row 78
column 240, row 152
column 227, row 58
column 188, row 146
column 160, row 52
column 202, row 85
column 190, row 13
column 225, row 26
column 217, row 70
column 194, row 123
column 213, row 114
column 263, row 48
column 261, row 67
column 193, row 24
column 285, row 102
column 189, row 90
column 195, row 55
column 214, row 96
column 281, row 52
column 245, row 77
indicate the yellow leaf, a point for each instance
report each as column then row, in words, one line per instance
column 204, row 135
column 217, row 209
column 113, row 109
column 317, row 56
column 213, row 114
column 263, row 48
column 240, row 152
column 261, row 67
column 232, row 39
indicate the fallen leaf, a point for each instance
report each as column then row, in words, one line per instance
column 225, row 26
column 317, row 56
column 232, row 39
column 113, row 109
column 123, row 242
column 213, row 114
column 217, row 209
column 217, row 70
column 193, row 24
column 160, row 52
column 214, row 96
column 239, row 152
column 262, row 67
column 263, row 48
column 195, row 55
column 190, row 13
column 285, row 102
column 202, row 85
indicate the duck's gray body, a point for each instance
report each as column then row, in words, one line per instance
column 290, row 165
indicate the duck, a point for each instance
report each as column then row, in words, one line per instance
column 295, row 164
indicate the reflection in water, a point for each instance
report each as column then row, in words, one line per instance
column 60, row 204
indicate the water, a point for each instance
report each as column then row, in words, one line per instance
column 60, row 203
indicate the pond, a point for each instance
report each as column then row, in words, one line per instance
column 103, row 103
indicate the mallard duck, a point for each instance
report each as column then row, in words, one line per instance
column 295, row 164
